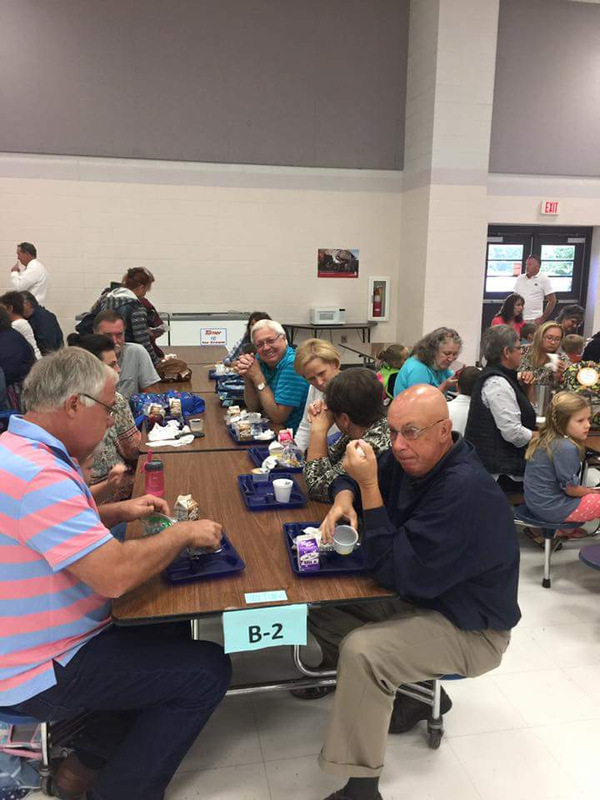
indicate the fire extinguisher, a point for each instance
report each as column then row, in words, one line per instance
column 377, row 302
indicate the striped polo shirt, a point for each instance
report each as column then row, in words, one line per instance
column 48, row 520
column 289, row 388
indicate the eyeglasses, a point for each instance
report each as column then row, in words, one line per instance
column 411, row 433
column 268, row 342
column 554, row 339
column 112, row 410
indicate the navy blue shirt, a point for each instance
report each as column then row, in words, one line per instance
column 445, row 541
column 16, row 356
column 46, row 330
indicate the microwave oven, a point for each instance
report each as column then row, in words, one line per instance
column 327, row 316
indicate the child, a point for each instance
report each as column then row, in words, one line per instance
column 552, row 473
column 459, row 407
column 527, row 333
column 572, row 346
column 390, row 363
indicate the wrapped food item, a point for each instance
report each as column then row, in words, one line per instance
column 185, row 508
column 234, row 411
column 156, row 523
column 290, row 456
column 275, row 448
column 244, row 430
column 175, row 406
column 307, row 553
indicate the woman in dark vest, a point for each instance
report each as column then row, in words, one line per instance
column 501, row 418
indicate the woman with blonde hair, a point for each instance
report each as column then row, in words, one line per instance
column 317, row 361
column 542, row 363
column 553, row 490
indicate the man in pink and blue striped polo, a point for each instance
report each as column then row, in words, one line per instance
column 59, row 564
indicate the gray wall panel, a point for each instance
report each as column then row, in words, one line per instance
column 546, row 117
column 310, row 83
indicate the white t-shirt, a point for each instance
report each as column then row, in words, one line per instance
column 459, row 412
column 533, row 291
column 303, row 433
column 32, row 278
column 26, row 332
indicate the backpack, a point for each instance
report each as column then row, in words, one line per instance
column 86, row 323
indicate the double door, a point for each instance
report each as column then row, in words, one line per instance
column 565, row 257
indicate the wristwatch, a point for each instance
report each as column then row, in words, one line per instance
column 260, row 386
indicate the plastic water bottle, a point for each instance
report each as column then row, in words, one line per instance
column 154, row 476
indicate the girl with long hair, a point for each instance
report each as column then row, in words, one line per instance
column 553, row 490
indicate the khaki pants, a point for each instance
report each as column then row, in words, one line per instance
column 381, row 646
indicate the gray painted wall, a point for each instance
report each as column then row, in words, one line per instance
column 546, row 117
column 309, row 83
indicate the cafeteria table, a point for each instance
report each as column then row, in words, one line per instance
column 367, row 351
column 211, row 478
column 198, row 354
column 216, row 436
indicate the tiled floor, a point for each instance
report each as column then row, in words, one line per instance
column 528, row 729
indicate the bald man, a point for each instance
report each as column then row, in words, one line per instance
column 440, row 533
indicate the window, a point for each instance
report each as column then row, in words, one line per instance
column 504, row 263
column 557, row 263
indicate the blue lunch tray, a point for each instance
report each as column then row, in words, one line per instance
column 332, row 564
column 206, row 567
column 258, row 455
column 259, row 494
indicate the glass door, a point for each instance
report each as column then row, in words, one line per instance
column 564, row 254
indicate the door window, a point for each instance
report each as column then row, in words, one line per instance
column 504, row 263
column 558, row 263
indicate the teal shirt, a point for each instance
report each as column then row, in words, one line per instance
column 414, row 371
column 289, row 388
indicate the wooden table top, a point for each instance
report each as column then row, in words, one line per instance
column 199, row 382
column 198, row 354
column 257, row 536
column 216, row 436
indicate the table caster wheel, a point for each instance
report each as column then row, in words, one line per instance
column 435, row 739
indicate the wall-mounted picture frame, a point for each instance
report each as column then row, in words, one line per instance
column 379, row 299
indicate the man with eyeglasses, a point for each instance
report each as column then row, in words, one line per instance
column 271, row 384
column 148, row 691
column 438, row 531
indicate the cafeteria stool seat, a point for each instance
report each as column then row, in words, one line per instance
column 525, row 518
column 39, row 751
column 57, row 732
column 431, row 697
column 590, row 555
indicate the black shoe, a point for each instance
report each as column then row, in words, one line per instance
column 408, row 711
column 313, row 693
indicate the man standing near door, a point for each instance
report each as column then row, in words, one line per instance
column 535, row 288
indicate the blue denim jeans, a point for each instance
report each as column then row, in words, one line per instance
column 151, row 689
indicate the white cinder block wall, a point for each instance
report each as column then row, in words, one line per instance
column 221, row 238
column 216, row 238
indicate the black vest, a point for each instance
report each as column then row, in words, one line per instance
column 498, row 456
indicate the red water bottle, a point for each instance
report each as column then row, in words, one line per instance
column 154, row 476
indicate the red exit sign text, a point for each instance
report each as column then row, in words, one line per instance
column 550, row 207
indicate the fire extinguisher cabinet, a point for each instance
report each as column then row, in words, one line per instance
column 379, row 300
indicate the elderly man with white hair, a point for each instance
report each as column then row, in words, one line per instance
column 272, row 385
column 152, row 690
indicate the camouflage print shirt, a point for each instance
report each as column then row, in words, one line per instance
column 321, row 472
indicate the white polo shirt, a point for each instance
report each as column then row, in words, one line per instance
column 533, row 291
column 32, row 278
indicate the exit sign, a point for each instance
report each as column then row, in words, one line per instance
column 550, row 208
